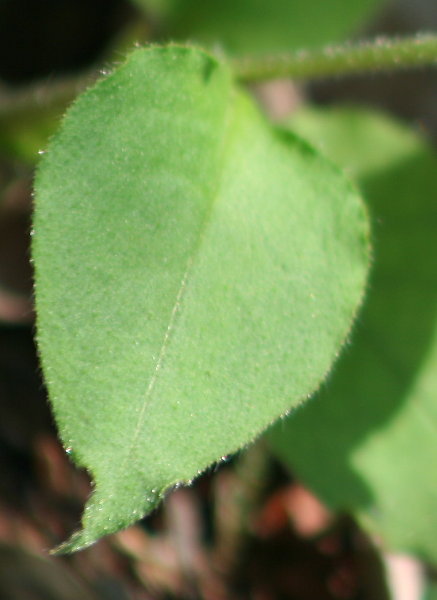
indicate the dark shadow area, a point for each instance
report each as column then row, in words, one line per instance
column 24, row 412
column 24, row 575
column 40, row 38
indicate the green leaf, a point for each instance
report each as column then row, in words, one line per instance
column 430, row 593
column 257, row 26
column 368, row 442
column 196, row 274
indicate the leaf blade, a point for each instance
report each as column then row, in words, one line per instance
column 168, row 288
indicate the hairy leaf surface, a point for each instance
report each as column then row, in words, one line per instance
column 196, row 274
column 368, row 441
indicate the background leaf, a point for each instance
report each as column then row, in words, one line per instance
column 196, row 273
column 158, row 8
column 431, row 593
column 257, row 26
column 368, row 441
column 22, row 136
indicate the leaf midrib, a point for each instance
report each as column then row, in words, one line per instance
column 226, row 143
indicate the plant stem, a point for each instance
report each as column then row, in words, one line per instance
column 381, row 54
column 42, row 96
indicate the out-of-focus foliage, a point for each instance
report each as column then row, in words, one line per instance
column 257, row 26
column 367, row 442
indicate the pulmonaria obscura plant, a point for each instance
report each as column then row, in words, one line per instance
column 198, row 270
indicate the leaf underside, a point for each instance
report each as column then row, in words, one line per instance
column 196, row 274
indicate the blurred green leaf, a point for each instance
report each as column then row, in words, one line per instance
column 368, row 441
column 158, row 8
column 196, row 274
column 23, row 136
column 257, row 26
column 431, row 593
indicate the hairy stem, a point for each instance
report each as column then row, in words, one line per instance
column 381, row 54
